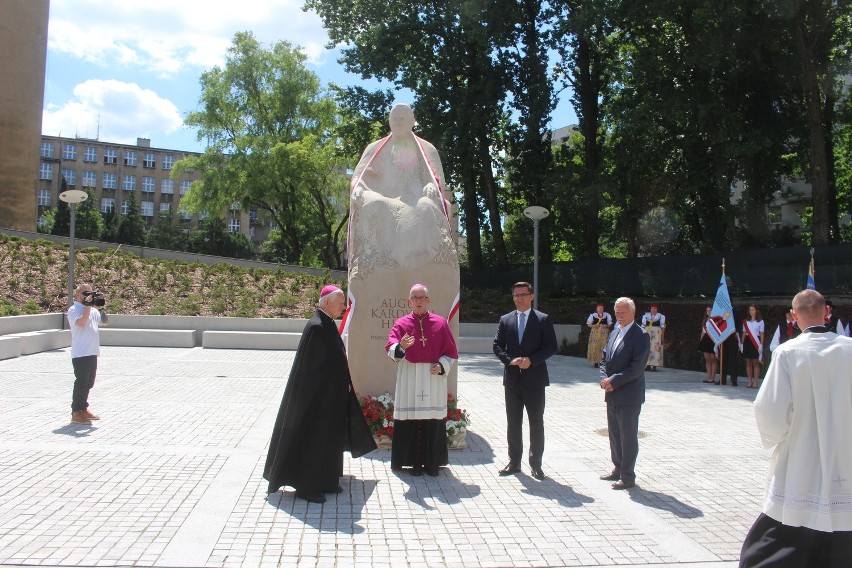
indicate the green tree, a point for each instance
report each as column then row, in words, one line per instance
column 131, row 230
column 88, row 222
column 166, row 233
column 271, row 144
column 112, row 223
column 213, row 238
column 61, row 221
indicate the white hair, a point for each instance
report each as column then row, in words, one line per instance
column 630, row 303
column 325, row 299
column 418, row 287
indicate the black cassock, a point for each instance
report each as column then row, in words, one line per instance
column 320, row 416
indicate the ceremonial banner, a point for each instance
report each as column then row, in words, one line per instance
column 720, row 325
column 811, row 284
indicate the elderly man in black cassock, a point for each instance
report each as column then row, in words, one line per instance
column 320, row 417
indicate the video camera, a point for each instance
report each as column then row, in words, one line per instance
column 92, row 298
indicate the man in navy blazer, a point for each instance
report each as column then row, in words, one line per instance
column 525, row 339
column 623, row 379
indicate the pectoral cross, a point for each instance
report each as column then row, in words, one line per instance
column 423, row 341
column 422, row 396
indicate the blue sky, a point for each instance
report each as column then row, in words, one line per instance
column 121, row 70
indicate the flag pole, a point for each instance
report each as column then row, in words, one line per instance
column 722, row 345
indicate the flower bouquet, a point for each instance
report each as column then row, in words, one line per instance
column 457, row 423
column 378, row 412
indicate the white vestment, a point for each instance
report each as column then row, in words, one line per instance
column 420, row 395
column 804, row 411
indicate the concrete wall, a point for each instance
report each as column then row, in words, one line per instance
column 23, row 56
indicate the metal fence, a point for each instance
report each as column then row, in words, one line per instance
column 781, row 271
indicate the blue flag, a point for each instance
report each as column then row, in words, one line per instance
column 721, row 323
column 811, row 284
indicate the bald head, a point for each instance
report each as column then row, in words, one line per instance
column 809, row 308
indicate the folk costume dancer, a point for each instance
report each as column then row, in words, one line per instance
column 655, row 326
column 599, row 322
column 425, row 350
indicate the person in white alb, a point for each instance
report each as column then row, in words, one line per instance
column 804, row 412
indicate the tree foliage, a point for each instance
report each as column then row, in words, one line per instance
column 271, row 146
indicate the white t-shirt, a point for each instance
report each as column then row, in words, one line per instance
column 85, row 340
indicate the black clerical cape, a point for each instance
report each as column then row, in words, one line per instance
column 320, row 416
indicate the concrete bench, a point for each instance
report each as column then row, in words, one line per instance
column 43, row 340
column 250, row 340
column 10, row 346
column 147, row 337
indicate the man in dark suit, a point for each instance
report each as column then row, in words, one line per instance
column 623, row 379
column 525, row 339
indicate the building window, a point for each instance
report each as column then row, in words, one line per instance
column 184, row 186
column 150, row 161
column 168, row 162
column 90, row 179
column 128, row 183
column 44, row 197
column 147, row 209
column 165, row 207
column 110, row 156
column 90, row 154
column 109, row 180
column 234, row 207
column 70, row 177
column 233, row 225
column 42, row 222
column 167, row 186
column 185, row 215
column 130, row 158
column 148, row 185
column 252, row 232
column 47, row 149
column 69, row 152
column 45, row 171
column 125, row 207
column 107, row 205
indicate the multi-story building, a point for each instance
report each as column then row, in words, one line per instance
column 117, row 173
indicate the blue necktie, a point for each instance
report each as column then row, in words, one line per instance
column 522, row 318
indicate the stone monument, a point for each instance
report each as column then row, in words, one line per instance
column 400, row 233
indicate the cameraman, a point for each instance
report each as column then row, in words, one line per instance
column 85, row 348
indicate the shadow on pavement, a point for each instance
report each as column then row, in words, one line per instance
column 76, row 430
column 340, row 513
column 551, row 489
column 445, row 488
column 664, row 502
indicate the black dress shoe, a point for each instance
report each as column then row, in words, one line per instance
column 511, row 469
column 537, row 473
column 337, row 489
column 618, row 485
column 311, row 497
column 433, row 471
column 417, row 471
column 611, row 477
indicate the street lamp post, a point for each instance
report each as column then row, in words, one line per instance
column 72, row 197
column 535, row 213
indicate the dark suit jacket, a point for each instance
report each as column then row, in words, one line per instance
column 626, row 366
column 538, row 344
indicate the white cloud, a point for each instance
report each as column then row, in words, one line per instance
column 114, row 111
column 167, row 36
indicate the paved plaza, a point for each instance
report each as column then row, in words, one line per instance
column 171, row 476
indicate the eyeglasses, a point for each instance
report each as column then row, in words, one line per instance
column 524, row 295
column 419, row 298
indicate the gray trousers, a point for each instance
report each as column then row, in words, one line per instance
column 623, row 425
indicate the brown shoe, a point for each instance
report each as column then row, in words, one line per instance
column 90, row 416
column 78, row 417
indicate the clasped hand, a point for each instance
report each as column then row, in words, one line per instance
column 522, row 362
column 406, row 341
column 606, row 384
